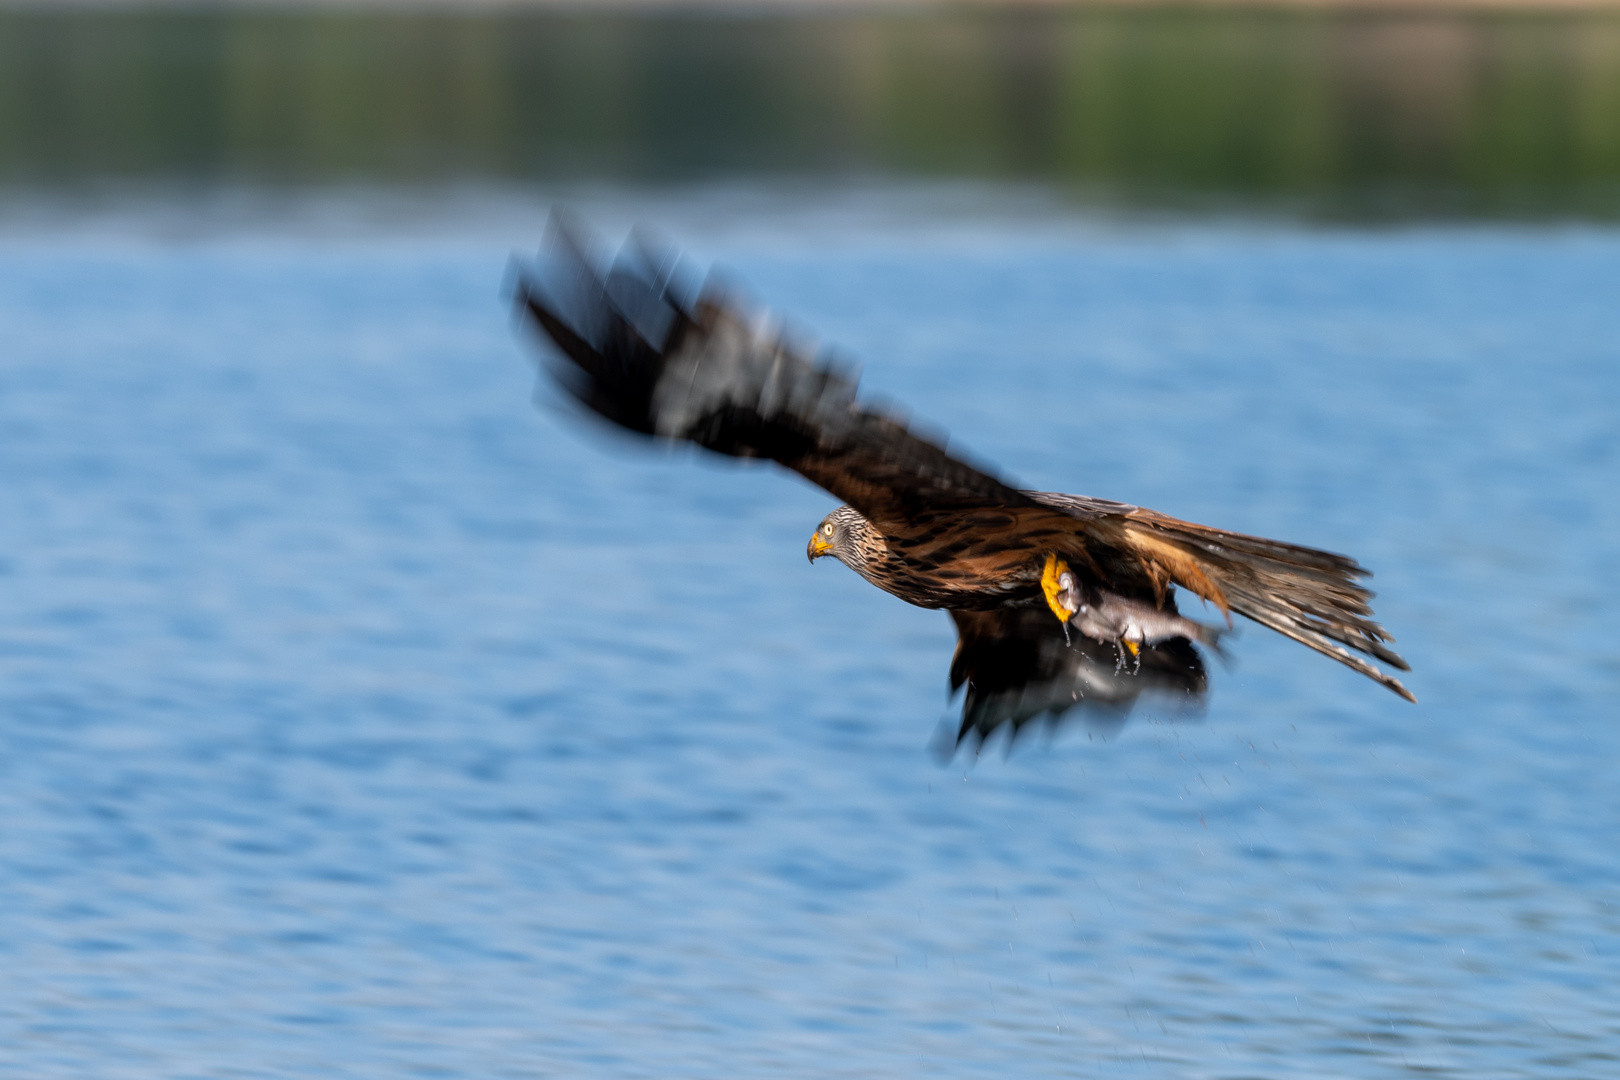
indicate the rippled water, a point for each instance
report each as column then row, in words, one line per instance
column 357, row 719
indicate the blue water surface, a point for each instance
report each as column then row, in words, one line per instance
column 358, row 719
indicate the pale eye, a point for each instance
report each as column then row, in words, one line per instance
column 827, row 529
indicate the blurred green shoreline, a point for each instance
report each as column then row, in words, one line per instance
column 1335, row 113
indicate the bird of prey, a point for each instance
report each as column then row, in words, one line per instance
column 1060, row 601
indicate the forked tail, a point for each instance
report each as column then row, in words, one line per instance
column 1314, row 597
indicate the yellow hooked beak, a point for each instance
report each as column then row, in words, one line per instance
column 1055, row 568
column 818, row 546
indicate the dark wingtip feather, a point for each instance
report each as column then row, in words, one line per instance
column 613, row 329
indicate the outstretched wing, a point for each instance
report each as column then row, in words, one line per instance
column 1017, row 666
column 1314, row 597
column 703, row 371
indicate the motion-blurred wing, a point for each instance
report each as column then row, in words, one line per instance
column 704, row 372
column 1017, row 666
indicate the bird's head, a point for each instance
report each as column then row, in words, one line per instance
column 838, row 535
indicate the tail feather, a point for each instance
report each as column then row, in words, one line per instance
column 1311, row 596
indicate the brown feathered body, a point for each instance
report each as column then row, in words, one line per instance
column 969, row 560
column 926, row 524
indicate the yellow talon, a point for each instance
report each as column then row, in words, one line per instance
column 1055, row 568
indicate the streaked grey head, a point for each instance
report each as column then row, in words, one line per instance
column 841, row 535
